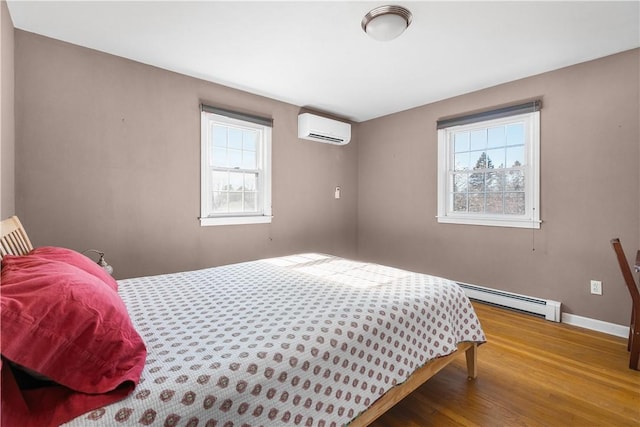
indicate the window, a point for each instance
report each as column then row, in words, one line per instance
column 488, row 168
column 236, row 168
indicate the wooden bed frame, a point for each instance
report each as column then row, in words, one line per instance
column 419, row 377
column 14, row 241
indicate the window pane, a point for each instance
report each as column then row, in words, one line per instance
column 462, row 161
column 219, row 136
column 496, row 137
column 219, row 204
column 515, row 134
column 460, row 182
column 476, row 202
column 478, row 140
column 250, row 202
column 219, row 157
column 494, row 181
column 235, row 138
column 460, row 202
column 249, row 160
column 495, row 158
column 461, row 142
column 234, row 158
column 514, row 181
column 250, row 181
column 235, row 201
column 236, row 181
column 249, row 139
column 515, row 156
column 514, row 203
column 479, row 160
column 476, row 182
column 219, row 181
column 494, row 203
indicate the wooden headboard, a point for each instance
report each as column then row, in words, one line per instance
column 13, row 238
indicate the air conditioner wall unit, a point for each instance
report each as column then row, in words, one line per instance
column 322, row 129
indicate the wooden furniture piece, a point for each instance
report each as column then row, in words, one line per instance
column 633, row 345
column 13, row 240
column 419, row 377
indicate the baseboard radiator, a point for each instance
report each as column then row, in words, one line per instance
column 548, row 309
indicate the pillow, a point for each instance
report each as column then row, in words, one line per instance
column 62, row 322
column 77, row 260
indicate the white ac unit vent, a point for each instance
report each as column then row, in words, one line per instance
column 321, row 129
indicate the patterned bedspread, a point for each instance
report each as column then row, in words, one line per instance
column 301, row 340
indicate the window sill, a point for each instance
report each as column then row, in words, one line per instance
column 235, row 220
column 489, row 221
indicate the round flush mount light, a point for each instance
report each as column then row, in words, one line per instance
column 385, row 23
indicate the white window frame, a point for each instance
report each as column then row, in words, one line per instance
column 531, row 168
column 207, row 218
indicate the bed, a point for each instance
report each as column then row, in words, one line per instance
column 307, row 339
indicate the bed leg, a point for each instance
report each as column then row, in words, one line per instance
column 472, row 357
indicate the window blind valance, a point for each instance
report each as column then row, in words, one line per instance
column 263, row 121
column 512, row 110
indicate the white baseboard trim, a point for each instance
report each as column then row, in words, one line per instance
column 596, row 325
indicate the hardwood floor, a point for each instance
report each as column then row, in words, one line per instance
column 531, row 372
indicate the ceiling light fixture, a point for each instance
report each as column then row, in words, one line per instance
column 385, row 23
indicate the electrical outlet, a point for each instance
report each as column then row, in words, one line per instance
column 596, row 287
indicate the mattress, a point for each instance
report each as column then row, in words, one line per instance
column 310, row 340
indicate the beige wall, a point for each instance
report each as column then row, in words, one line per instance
column 108, row 157
column 590, row 191
column 7, row 117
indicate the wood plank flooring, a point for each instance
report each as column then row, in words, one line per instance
column 531, row 372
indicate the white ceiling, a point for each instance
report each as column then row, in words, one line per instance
column 315, row 54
